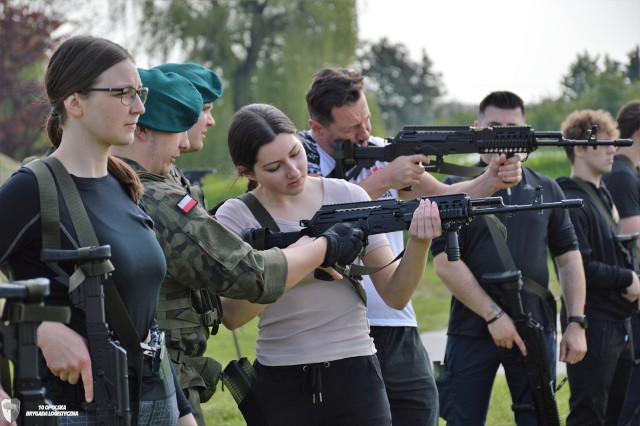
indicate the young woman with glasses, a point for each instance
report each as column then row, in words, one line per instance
column 96, row 97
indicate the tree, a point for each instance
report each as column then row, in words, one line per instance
column 265, row 51
column 632, row 70
column 405, row 89
column 453, row 113
column 581, row 77
column 25, row 40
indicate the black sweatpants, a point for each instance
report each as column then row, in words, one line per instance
column 604, row 372
column 344, row 392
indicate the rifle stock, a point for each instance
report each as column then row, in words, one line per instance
column 382, row 216
column 24, row 311
column 438, row 141
column 537, row 360
column 108, row 357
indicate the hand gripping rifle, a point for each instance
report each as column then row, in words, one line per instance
column 382, row 216
column 439, row 141
column 536, row 362
column 108, row 357
column 23, row 312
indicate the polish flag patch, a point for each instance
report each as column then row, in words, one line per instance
column 187, row 203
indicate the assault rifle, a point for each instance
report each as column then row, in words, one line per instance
column 439, row 141
column 537, row 360
column 382, row 216
column 108, row 357
column 24, row 311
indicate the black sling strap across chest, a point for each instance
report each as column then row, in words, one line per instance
column 597, row 201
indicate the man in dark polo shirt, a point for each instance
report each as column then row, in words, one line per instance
column 481, row 336
column 598, row 383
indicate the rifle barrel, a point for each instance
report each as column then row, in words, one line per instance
column 565, row 204
column 574, row 142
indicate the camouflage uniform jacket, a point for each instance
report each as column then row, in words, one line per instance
column 202, row 254
column 185, row 314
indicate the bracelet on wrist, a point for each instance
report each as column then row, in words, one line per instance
column 497, row 317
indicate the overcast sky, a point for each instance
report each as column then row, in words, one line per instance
column 525, row 46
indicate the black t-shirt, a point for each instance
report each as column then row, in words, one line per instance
column 530, row 236
column 135, row 253
column 623, row 182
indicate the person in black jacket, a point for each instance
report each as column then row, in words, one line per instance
column 598, row 383
column 624, row 184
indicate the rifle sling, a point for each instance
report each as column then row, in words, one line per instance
column 259, row 212
column 499, row 235
column 50, row 215
column 266, row 221
column 604, row 212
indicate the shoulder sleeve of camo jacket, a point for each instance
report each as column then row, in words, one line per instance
column 202, row 253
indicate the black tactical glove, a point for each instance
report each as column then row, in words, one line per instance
column 344, row 244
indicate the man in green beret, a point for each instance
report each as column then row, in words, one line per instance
column 189, row 315
column 209, row 85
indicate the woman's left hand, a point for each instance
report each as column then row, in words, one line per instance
column 425, row 224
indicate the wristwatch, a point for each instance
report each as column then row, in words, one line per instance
column 580, row 319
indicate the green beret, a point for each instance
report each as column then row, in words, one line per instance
column 173, row 104
column 206, row 81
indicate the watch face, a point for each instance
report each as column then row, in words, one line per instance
column 582, row 320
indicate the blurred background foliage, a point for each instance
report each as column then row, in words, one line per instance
column 265, row 51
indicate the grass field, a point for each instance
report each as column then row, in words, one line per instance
column 431, row 303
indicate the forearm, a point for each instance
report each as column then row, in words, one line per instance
column 481, row 186
column 238, row 312
column 464, row 286
column 572, row 281
column 302, row 260
column 397, row 288
column 376, row 184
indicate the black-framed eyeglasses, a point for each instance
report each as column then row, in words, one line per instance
column 127, row 94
